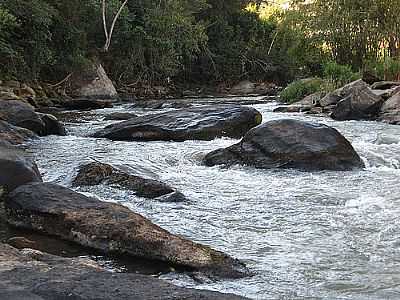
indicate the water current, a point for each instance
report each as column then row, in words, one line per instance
column 318, row 235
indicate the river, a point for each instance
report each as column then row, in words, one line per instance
column 318, row 235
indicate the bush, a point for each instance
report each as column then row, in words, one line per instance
column 299, row 89
column 338, row 75
column 385, row 69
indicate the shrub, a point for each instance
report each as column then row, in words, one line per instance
column 338, row 75
column 385, row 69
column 299, row 89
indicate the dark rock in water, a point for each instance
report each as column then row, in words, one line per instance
column 197, row 123
column 291, row 109
column 111, row 228
column 15, row 135
column 290, row 144
column 52, row 125
column 361, row 104
column 22, row 115
column 34, row 275
column 390, row 111
column 15, row 168
column 86, row 104
column 120, row 116
column 97, row 173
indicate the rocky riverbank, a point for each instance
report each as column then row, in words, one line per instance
column 355, row 101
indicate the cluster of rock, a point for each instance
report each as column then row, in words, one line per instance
column 33, row 275
column 354, row 101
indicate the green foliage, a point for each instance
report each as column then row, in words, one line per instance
column 299, row 89
column 385, row 69
column 339, row 75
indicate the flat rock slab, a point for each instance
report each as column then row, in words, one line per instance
column 33, row 275
column 111, row 228
column 96, row 173
column 197, row 123
column 13, row 134
column 16, row 168
column 290, row 144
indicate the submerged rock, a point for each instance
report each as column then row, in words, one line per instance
column 290, row 144
column 13, row 134
column 96, row 173
column 15, row 168
column 120, row 116
column 33, row 275
column 197, row 123
column 111, row 228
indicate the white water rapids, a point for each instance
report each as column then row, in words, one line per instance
column 319, row 235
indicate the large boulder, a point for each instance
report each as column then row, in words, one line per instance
column 290, row 144
column 390, row 110
column 13, row 134
column 33, row 275
column 197, row 123
column 16, row 168
column 361, row 104
column 96, row 173
column 111, row 228
column 92, row 82
column 21, row 114
column 339, row 94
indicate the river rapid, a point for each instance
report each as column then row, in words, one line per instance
column 305, row 235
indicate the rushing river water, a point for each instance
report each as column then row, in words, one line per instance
column 319, row 235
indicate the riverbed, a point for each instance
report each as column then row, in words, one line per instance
column 305, row 235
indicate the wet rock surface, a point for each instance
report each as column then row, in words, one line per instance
column 16, row 168
column 120, row 116
column 13, row 134
column 197, row 123
column 111, row 228
column 34, row 275
column 290, row 144
column 96, row 173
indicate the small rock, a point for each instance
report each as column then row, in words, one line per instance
column 120, row 116
column 96, row 173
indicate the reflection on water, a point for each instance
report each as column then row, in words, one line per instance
column 320, row 235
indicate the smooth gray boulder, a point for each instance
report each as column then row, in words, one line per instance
column 290, row 144
column 112, row 228
column 16, row 168
column 197, row 123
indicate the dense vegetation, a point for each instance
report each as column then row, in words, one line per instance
column 201, row 41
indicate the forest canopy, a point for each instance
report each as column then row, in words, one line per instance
column 202, row 41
